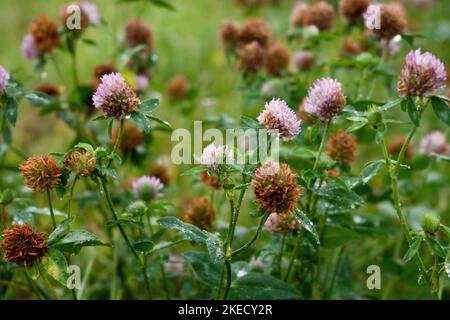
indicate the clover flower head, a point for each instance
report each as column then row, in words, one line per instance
column 434, row 143
column 4, row 78
column 115, row 97
column 325, row 99
column 91, row 11
column 281, row 223
column 278, row 116
column 147, row 187
column 422, row 75
column 29, row 50
column 216, row 156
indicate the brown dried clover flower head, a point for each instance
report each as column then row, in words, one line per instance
column 23, row 245
column 200, row 213
column 229, row 34
column 161, row 172
column 275, row 187
column 41, row 173
column 45, row 34
column 178, row 88
column 333, row 173
column 392, row 19
column 342, row 147
column 353, row 10
column 138, row 32
column 297, row 18
column 48, row 88
column 305, row 117
column 396, row 145
column 66, row 15
column 321, row 15
column 100, row 70
column 277, row 58
column 255, row 29
column 281, row 223
column 212, row 181
column 353, row 47
column 81, row 162
column 251, row 58
column 132, row 137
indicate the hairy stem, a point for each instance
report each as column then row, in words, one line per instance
column 50, row 206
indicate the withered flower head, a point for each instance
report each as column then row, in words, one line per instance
column 200, row 213
column 396, row 145
column 353, row 10
column 281, row 223
column 66, row 14
column 161, row 172
column 229, row 34
column 392, row 19
column 82, row 163
column 320, row 15
column 304, row 60
column 342, row 147
column 138, row 32
column 277, row 58
column 23, row 245
column 48, row 88
column 40, row 173
column 100, row 70
column 178, row 88
column 255, row 29
column 132, row 137
column 353, row 47
column 275, row 187
column 212, row 181
column 251, row 58
column 45, row 34
column 297, row 18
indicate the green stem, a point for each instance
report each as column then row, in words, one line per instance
column 71, row 194
column 280, row 256
column 50, row 206
column 125, row 237
column 58, row 70
column 118, row 141
column 336, row 271
column 254, row 238
column 228, row 274
column 294, row 255
column 32, row 285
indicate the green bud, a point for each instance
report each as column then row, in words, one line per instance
column 430, row 223
column 7, row 197
column 375, row 119
column 146, row 192
column 137, row 208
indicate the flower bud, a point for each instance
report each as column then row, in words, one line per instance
column 137, row 208
column 430, row 223
column 7, row 197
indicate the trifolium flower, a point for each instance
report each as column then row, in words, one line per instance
column 200, row 213
column 430, row 223
column 275, row 187
column 278, row 116
column 342, row 147
column 23, row 246
column 434, row 143
column 4, row 78
column 29, row 50
column 115, row 97
column 40, row 173
column 147, row 188
column 325, row 99
column 91, row 11
column 422, row 75
column 216, row 156
column 281, row 223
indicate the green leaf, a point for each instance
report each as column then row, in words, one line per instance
column 307, row 225
column 126, row 56
column 143, row 246
column 149, row 105
column 215, row 247
column 190, row 231
column 163, row 4
column 76, row 239
column 100, row 118
column 141, row 120
column 412, row 250
column 370, row 170
column 59, row 230
column 389, row 105
column 193, row 171
column 11, row 110
column 436, row 247
column 85, row 146
column 441, row 109
column 55, row 265
column 335, row 236
column 160, row 121
column 413, row 112
column 260, row 286
column 356, row 126
column 340, row 197
column 446, row 230
column 38, row 98
column 250, row 123
column 204, row 269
